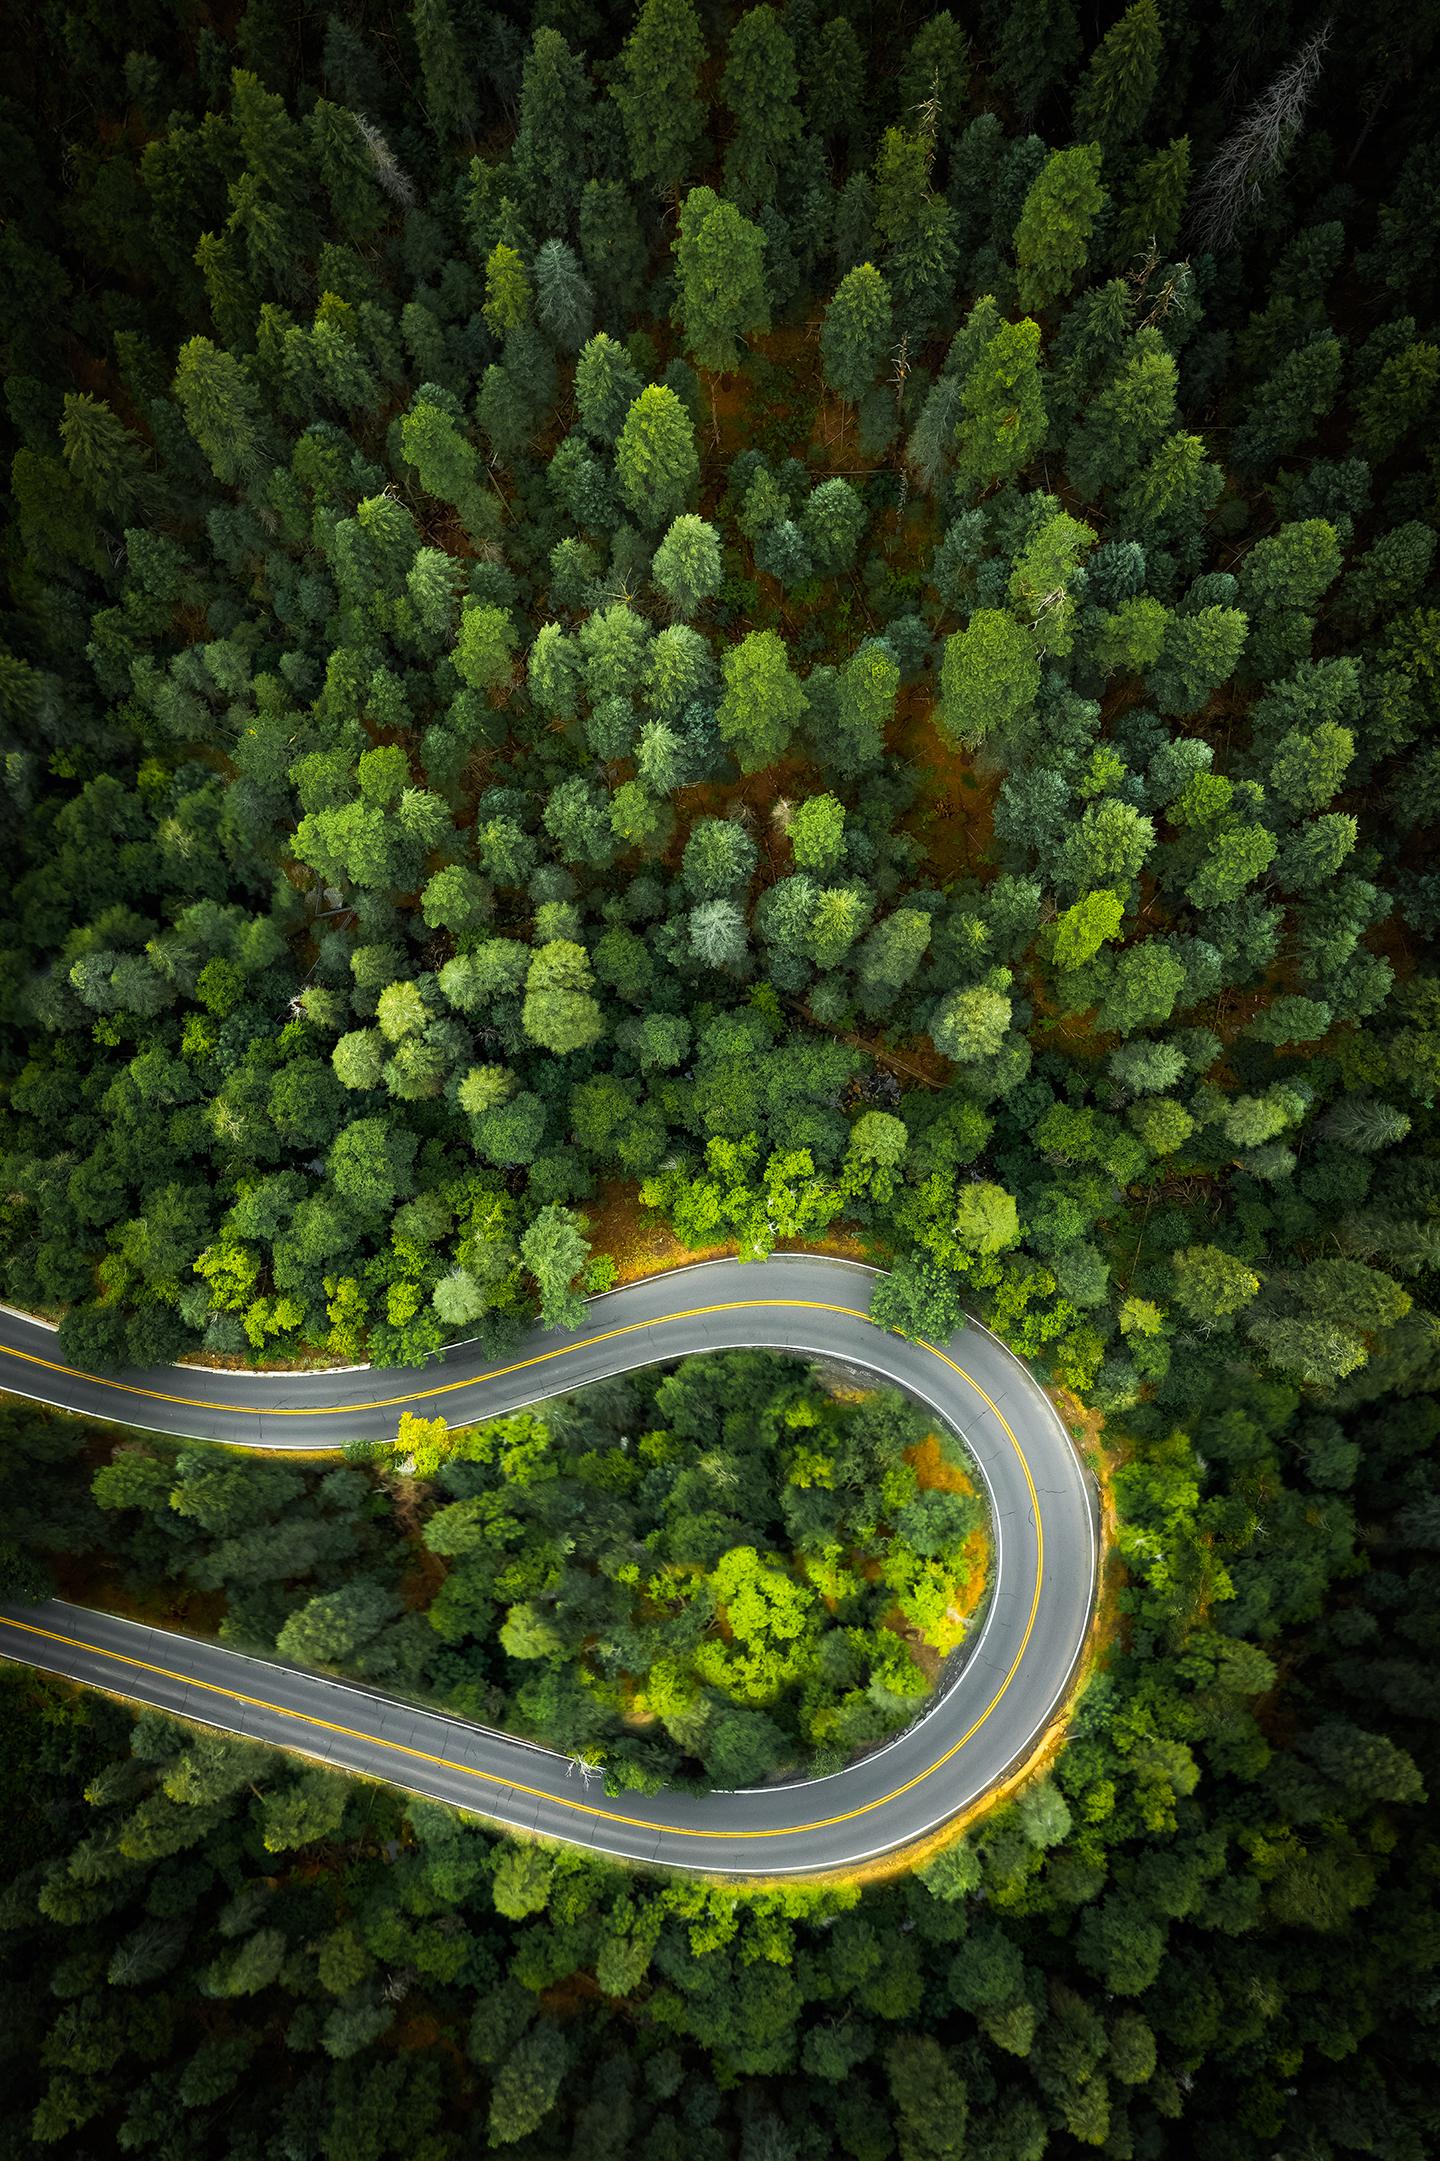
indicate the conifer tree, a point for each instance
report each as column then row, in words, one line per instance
column 1124, row 425
column 564, row 303
column 507, row 290
column 446, row 80
column 858, row 332
column 759, row 84
column 1037, row 44
column 103, row 457
column 935, row 77
column 989, row 678
column 1002, row 407
column 551, row 143
column 1149, row 218
column 655, row 459
column 657, row 92
column 721, row 292
column 606, row 386
column 1052, row 238
column 832, row 523
column 686, row 565
column 222, row 409
column 763, row 703
column 560, row 1011
column 1115, row 92
column 1286, row 408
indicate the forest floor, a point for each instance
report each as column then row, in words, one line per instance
column 641, row 1243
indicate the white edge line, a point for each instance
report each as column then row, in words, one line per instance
column 952, row 1809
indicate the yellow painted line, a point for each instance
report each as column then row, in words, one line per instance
column 492, row 1778
column 444, row 1388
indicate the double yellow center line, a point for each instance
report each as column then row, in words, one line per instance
column 496, row 1779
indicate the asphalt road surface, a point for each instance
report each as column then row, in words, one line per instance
column 998, row 1695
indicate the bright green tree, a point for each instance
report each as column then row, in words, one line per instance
column 1052, row 238
column 560, row 1012
column 763, row 704
column 721, row 294
column 655, row 457
column 1002, row 408
column 989, row 678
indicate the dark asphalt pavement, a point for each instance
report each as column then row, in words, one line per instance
column 999, row 1694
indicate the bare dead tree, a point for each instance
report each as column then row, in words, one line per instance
column 389, row 174
column 1253, row 153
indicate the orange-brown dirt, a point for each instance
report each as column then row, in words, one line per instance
column 641, row 1243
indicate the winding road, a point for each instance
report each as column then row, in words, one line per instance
column 998, row 1698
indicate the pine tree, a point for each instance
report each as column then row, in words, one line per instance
column 1037, row 44
column 763, row 703
column 560, row 1012
column 552, row 141
column 103, row 457
column 1124, row 425
column 832, row 522
column 1149, row 219
column 346, row 164
column 832, row 80
column 865, row 692
column 858, row 332
column 1115, row 92
column 655, row 458
column 1053, row 236
column 606, row 386
column 759, row 84
column 564, row 303
column 446, row 80
column 1286, row 408
column 720, row 275
column 935, row 77
column 1002, row 407
column 658, row 94
column 507, row 290
column 687, row 565
column 989, row 678
column 222, row 410
column 612, row 247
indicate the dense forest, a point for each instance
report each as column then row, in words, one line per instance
column 816, row 622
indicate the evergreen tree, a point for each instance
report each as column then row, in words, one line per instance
column 1287, row 406
column 564, row 303
column 1002, row 407
column 1115, row 92
column 857, row 333
column 989, row 678
column 222, row 409
column 560, row 1013
column 763, row 704
column 1052, row 238
column 606, row 386
column 1125, row 423
column 721, row 293
column 550, row 154
column 1037, row 45
column 449, row 100
column 759, row 84
column 686, row 565
column 655, row 459
column 1149, row 218
column 658, row 93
